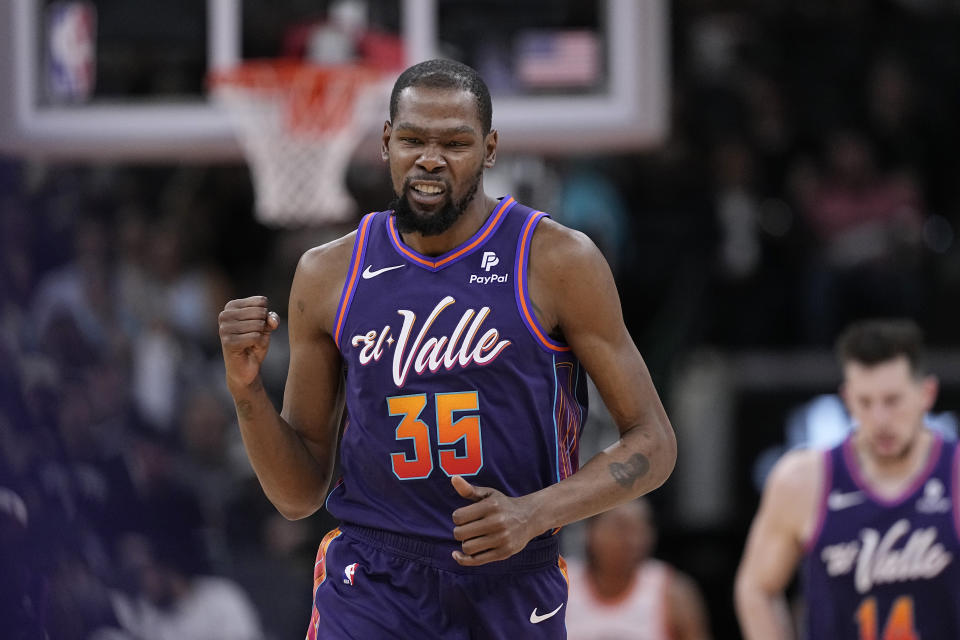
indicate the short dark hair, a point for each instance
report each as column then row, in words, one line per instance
column 874, row 341
column 446, row 74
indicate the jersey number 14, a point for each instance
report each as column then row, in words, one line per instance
column 899, row 624
column 449, row 433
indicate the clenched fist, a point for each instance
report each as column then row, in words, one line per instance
column 245, row 328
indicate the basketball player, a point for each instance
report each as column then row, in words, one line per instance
column 623, row 593
column 874, row 521
column 459, row 330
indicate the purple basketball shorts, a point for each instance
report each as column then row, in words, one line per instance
column 371, row 584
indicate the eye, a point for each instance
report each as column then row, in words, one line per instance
column 457, row 143
column 409, row 140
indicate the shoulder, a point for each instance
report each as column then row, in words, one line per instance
column 562, row 249
column 797, row 474
column 568, row 275
column 792, row 493
column 567, row 264
column 320, row 277
column 686, row 611
column 681, row 588
column 319, row 262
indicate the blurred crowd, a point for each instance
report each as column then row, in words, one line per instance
column 127, row 506
column 811, row 177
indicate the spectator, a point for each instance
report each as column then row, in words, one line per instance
column 620, row 591
column 175, row 600
column 867, row 228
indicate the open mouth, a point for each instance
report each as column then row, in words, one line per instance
column 428, row 195
column 428, row 189
column 427, row 192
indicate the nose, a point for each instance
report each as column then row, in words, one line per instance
column 431, row 158
column 879, row 414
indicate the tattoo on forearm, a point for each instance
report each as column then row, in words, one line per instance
column 627, row 473
column 244, row 409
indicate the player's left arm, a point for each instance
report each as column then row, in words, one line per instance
column 575, row 296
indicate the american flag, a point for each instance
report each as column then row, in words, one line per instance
column 558, row 59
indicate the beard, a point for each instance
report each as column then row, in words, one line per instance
column 431, row 224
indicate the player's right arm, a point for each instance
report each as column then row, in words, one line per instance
column 292, row 452
column 774, row 546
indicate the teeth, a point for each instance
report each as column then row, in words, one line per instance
column 430, row 189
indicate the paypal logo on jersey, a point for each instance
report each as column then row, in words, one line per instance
column 489, row 260
column 490, row 279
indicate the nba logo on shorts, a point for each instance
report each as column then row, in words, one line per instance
column 348, row 573
column 489, row 260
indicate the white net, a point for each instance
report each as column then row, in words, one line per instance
column 298, row 128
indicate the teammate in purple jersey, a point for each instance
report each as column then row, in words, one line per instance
column 457, row 328
column 874, row 521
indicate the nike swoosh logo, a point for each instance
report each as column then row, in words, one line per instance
column 368, row 273
column 839, row 501
column 534, row 618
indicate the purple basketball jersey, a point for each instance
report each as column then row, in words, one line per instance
column 448, row 373
column 879, row 569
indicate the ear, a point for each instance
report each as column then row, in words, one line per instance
column 385, row 141
column 930, row 387
column 490, row 155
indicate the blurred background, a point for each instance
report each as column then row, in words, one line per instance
column 758, row 174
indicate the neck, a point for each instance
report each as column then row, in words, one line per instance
column 466, row 225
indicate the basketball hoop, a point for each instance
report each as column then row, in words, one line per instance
column 298, row 125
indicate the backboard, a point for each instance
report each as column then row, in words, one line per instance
column 567, row 76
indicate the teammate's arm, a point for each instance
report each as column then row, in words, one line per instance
column 291, row 452
column 686, row 611
column 775, row 545
column 574, row 295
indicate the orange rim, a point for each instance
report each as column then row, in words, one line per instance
column 316, row 97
